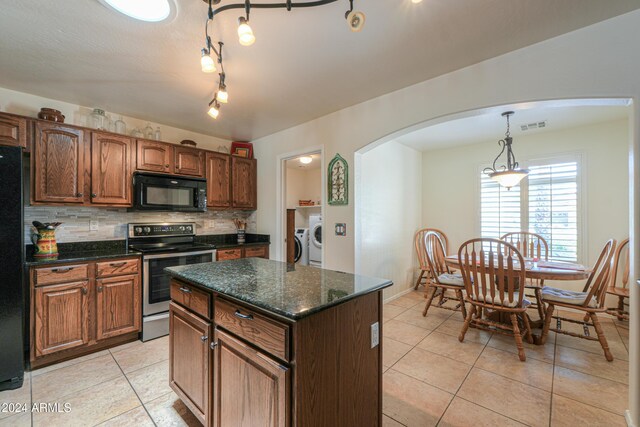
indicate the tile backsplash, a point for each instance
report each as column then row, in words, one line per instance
column 112, row 222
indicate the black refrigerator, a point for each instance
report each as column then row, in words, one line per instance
column 11, row 269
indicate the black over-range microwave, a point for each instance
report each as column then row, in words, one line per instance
column 156, row 192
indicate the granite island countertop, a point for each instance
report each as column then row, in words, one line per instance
column 288, row 290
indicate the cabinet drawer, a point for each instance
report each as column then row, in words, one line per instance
column 268, row 334
column 256, row 252
column 193, row 299
column 226, row 254
column 60, row 274
column 117, row 267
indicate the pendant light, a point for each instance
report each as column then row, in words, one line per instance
column 222, row 95
column 510, row 175
column 245, row 33
column 207, row 63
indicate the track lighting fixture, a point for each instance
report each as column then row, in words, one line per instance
column 355, row 21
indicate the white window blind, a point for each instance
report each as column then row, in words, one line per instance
column 553, row 207
column 500, row 208
column 546, row 203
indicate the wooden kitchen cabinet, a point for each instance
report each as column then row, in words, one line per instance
column 61, row 317
column 190, row 361
column 13, row 130
column 254, row 251
column 154, row 156
column 111, row 169
column 117, row 306
column 251, row 388
column 218, row 169
column 244, row 183
column 188, row 161
column 58, row 164
column 79, row 308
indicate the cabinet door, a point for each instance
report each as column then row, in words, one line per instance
column 217, row 167
column 243, row 183
column 188, row 161
column 111, row 169
column 190, row 361
column 61, row 317
column 154, row 156
column 13, row 130
column 117, row 306
column 58, row 166
column 251, row 389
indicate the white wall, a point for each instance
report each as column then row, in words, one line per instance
column 597, row 61
column 389, row 188
column 29, row 105
column 452, row 175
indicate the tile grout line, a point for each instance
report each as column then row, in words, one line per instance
column 134, row 391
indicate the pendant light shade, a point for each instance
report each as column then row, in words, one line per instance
column 245, row 33
column 207, row 63
column 508, row 175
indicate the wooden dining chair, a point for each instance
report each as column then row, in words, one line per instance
column 590, row 301
column 422, row 254
column 619, row 280
column 442, row 279
column 493, row 271
column 531, row 245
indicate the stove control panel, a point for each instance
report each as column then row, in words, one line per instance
column 164, row 229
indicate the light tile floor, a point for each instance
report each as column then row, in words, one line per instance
column 429, row 379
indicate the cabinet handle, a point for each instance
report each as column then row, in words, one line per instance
column 84, row 291
column 185, row 290
column 94, row 195
column 204, row 338
column 213, row 345
column 167, row 165
column 61, row 270
column 117, row 264
column 79, row 194
column 243, row 316
column 99, row 288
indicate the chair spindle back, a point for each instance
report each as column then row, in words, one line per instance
column 435, row 249
column 530, row 245
column 420, row 248
column 598, row 280
column 619, row 276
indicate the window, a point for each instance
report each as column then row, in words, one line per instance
column 546, row 203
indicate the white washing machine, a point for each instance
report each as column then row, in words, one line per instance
column 315, row 240
column 301, row 239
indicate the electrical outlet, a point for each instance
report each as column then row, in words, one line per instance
column 93, row 225
column 211, row 223
column 375, row 335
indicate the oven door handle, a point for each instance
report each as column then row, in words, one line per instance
column 181, row 254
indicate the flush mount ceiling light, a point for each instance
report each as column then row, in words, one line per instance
column 510, row 175
column 305, row 160
column 144, row 10
column 355, row 21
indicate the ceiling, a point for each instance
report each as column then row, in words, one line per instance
column 488, row 124
column 304, row 64
column 295, row 163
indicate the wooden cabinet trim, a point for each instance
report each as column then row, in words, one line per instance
column 264, row 332
column 189, row 373
column 239, row 368
column 117, row 267
column 117, row 310
column 48, row 323
column 112, row 161
column 191, row 298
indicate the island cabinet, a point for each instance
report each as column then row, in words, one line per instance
column 78, row 308
column 235, row 363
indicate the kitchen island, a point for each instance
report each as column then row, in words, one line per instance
column 255, row 342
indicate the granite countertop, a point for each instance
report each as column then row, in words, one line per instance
column 82, row 251
column 288, row 290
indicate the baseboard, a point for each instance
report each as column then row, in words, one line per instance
column 627, row 417
column 398, row 295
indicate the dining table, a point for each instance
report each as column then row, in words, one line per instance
column 538, row 271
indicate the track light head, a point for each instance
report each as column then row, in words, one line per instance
column 245, row 33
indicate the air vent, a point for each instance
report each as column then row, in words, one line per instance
column 534, row 125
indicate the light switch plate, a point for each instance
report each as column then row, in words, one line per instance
column 93, row 225
column 375, row 335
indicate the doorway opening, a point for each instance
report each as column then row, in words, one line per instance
column 301, row 208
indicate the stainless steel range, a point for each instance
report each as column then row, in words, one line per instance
column 163, row 245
